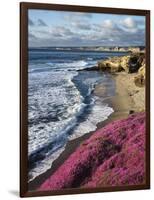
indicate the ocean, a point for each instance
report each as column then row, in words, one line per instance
column 61, row 103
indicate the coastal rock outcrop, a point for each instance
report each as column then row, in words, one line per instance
column 130, row 63
column 110, row 66
column 113, row 155
column 139, row 79
column 135, row 62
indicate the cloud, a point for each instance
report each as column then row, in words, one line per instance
column 108, row 24
column 78, row 19
column 32, row 39
column 30, row 22
column 61, row 31
column 129, row 23
column 110, row 37
column 110, row 33
column 86, row 33
column 32, row 36
column 40, row 22
column 132, row 25
column 83, row 25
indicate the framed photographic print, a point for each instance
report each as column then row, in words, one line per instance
column 85, row 99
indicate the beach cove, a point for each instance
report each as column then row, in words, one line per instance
column 128, row 102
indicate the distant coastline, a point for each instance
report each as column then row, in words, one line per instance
column 97, row 48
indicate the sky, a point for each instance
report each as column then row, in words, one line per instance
column 63, row 28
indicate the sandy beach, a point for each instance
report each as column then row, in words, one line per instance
column 131, row 97
column 128, row 99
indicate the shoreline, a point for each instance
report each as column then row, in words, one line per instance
column 129, row 98
column 71, row 146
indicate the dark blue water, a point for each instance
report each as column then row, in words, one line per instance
column 60, row 102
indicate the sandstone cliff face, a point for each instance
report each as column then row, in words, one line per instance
column 140, row 77
column 134, row 63
column 110, row 65
column 130, row 63
column 113, row 155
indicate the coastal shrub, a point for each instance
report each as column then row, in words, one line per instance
column 113, row 155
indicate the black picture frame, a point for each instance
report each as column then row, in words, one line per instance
column 24, row 6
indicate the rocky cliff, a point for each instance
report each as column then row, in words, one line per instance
column 134, row 63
